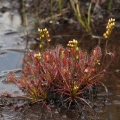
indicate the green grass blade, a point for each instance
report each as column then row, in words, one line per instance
column 89, row 14
column 77, row 13
column 60, row 5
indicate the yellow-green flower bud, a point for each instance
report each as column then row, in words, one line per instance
column 77, row 49
column 41, row 46
column 39, row 30
column 42, row 36
column 77, row 58
column 45, row 30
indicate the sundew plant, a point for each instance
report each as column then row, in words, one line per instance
column 63, row 75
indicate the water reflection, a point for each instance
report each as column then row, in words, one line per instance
column 12, row 46
column 9, row 21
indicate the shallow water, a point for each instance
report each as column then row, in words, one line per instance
column 13, row 45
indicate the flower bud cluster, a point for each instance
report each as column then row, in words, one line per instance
column 44, row 36
column 37, row 55
column 109, row 27
column 73, row 44
column 75, row 86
